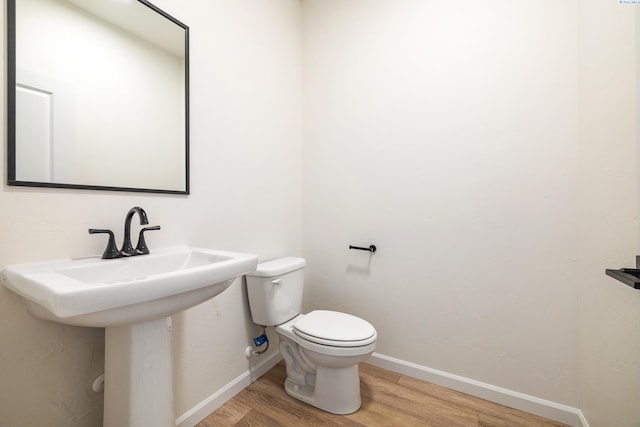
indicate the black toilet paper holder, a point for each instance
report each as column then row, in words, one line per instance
column 371, row 248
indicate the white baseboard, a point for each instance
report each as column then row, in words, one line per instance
column 502, row 396
column 582, row 420
column 217, row 399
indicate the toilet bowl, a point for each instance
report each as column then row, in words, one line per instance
column 321, row 349
column 322, row 370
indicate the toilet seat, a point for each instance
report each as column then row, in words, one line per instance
column 334, row 329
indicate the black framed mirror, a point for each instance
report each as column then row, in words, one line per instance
column 98, row 96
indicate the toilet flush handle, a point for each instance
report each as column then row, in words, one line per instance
column 276, row 281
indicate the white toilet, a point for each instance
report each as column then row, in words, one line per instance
column 321, row 349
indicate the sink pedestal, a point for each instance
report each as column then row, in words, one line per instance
column 138, row 386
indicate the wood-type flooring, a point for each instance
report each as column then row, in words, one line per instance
column 388, row 399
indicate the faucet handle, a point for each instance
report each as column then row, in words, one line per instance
column 112, row 250
column 141, row 247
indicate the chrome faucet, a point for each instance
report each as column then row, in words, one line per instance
column 127, row 248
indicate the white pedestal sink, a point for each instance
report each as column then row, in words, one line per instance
column 132, row 298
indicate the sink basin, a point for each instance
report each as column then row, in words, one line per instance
column 100, row 293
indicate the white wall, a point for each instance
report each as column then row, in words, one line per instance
column 520, row 189
column 609, row 311
column 245, row 108
column 489, row 150
column 445, row 133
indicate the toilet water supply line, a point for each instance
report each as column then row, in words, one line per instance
column 259, row 341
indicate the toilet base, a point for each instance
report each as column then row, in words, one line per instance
column 323, row 376
column 337, row 390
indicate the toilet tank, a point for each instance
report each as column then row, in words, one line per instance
column 275, row 290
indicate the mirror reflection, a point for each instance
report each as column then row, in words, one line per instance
column 101, row 96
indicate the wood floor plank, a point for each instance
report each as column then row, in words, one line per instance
column 228, row 414
column 381, row 415
column 527, row 420
column 524, row 420
column 366, row 369
column 429, row 410
column 257, row 419
column 389, row 399
column 493, row 410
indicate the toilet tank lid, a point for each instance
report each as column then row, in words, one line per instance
column 278, row 267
